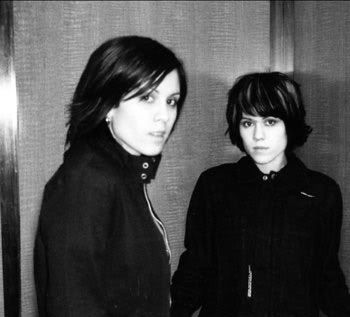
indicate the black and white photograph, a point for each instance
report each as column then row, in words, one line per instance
column 175, row 158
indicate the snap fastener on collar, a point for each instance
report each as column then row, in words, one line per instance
column 265, row 177
column 145, row 165
column 143, row 176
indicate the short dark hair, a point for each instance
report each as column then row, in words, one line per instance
column 267, row 94
column 117, row 67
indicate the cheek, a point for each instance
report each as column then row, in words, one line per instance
column 281, row 139
column 244, row 136
column 285, row 139
column 172, row 117
column 284, row 136
column 123, row 125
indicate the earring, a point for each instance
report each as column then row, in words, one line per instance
column 108, row 119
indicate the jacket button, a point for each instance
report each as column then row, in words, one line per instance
column 143, row 176
column 265, row 177
column 145, row 165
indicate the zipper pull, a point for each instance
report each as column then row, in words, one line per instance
column 250, row 281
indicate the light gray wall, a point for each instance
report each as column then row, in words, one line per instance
column 53, row 39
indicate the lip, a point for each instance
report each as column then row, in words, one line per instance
column 260, row 148
column 157, row 134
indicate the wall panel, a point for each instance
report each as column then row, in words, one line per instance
column 53, row 39
column 322, row 66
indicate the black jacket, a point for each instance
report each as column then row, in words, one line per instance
column 99, row 249
column 262, row 245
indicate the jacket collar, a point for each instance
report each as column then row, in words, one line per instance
column 294, row 176
column 141, row 168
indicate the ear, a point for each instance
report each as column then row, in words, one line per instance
column 109, row 115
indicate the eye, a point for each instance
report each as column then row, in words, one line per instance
column 172, row 102
column 148, row 98
column 246, row 123
column 270, row 122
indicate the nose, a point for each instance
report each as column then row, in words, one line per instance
column 259, row 133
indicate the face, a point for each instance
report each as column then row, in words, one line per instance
column 143, row 123
column 265, row 141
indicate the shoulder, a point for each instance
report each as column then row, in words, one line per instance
column 85, row 163
column 78, row 192
column 321, row 182
column 83, row 169
column 318, row 184
column 218, row 178
column 325, row 189
column 220, row 173
column 328, row 196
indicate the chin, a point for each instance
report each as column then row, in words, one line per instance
column 261, row 161
column 259, row 157
column 152, row 152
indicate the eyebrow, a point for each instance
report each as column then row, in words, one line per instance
column 249, row 118
column 253, row 120
column 175, row 93
column 246, row 118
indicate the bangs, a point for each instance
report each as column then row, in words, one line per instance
column 146, row 84
column 261, row 98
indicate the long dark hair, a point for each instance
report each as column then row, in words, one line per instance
column 117, row 67
column 267, row 94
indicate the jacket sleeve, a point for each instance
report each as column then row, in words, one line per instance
column 191, row 281
column 335, row 298
column 69, row 247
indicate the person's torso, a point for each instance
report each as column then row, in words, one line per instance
column 133, row 250
column 267, row 246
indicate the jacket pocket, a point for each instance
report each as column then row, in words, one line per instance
column 300, row 213
column 297, row 250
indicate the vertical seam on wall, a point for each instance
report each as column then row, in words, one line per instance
column 282, row 25
column 9, row 207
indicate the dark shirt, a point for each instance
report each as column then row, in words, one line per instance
column 262, row 245
column 99, row 249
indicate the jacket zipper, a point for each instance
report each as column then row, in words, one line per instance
column 157, row 222
column 250, row 282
